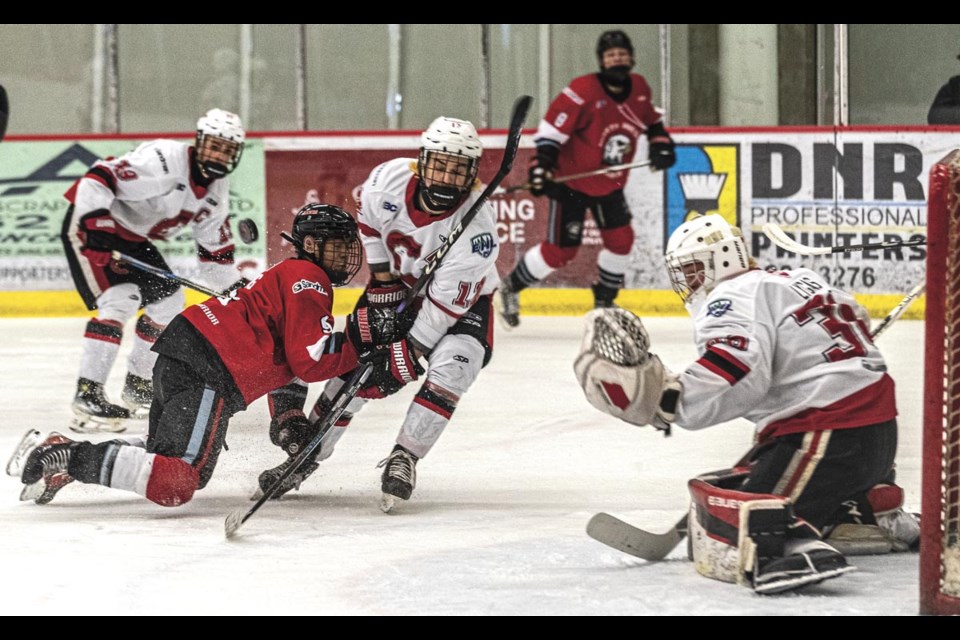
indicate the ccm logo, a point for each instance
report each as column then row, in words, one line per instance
column 389, row 206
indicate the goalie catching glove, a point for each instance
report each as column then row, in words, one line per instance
column 619, row 375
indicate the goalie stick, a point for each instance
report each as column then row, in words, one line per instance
column 782, row 240
column 346, row 393
column 654, row 547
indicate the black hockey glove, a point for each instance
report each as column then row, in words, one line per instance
column 540, row 176
column 662, row 149
column 394, row 365
column 369, row 327
column 291, row 431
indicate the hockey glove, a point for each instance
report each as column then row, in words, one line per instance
column 394, row 365
column 291, row 431
column 662, row 148
column 99, row 233
column 385, row 293
column 540, row 176
column 369, row 327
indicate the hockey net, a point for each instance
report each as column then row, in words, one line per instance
column 940, row 520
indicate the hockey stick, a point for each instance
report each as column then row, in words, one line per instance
column 349, row 390
column 625, row 537
column 585, row 174
column 340, row 402
column 520, row 109
column 163, row 273
column 898, row 310
column 782, row 240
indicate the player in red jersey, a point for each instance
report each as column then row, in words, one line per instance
column 596, row 121
column 217, row 357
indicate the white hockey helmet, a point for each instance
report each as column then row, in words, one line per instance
column 704, row 251
column 217, row 123
column 456, row 142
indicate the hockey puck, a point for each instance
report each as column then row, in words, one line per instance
column 248, row 231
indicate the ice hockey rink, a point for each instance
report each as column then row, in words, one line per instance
column 495, row 525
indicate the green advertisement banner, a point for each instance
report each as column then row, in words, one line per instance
column 33, row 178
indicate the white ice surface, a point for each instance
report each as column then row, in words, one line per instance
column 495, row 525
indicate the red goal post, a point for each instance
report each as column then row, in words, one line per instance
column 940, row 519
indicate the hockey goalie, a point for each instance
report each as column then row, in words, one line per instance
column 792, row 354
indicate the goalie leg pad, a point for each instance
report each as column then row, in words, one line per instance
column 714, row 524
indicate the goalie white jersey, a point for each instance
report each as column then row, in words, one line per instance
column 397, row 233
column 150, row 193
column 786, row 351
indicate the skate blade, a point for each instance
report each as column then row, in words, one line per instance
column 32, row 491
column 80, row 425
column 138, row 411
column 29, row 442
column 388, row 502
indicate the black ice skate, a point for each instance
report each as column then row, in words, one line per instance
column 137, row 394
column 399, row 477
column 603, row 296
column 45, row 470
column 509, row 305
column 805, row 562
column 94, row 413
column 270, row 476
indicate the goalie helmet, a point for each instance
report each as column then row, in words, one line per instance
column 702, row 252
column 337, row 249
column 224, row 128
column 450, row 151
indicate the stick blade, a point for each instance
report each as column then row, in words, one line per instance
column 627, row 538
column 233, row 522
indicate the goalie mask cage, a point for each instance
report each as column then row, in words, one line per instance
column 940, row 504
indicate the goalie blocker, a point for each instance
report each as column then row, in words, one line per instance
column 619, row 375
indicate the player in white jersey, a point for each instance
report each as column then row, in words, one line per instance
column 792, row 354
column 124, row 204
column 407, row 210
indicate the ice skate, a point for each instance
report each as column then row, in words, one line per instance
column 270, row 476
column 508, row 305
column 603, row 296
column 19, row 457
column 44, row 471
column 137, row 395
column 805, row 562
column 94, row 413
column 399, row 477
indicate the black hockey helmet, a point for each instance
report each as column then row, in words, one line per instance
column 613, row 39
column 327, row 224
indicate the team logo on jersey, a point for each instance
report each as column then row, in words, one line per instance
column 389, row 206
column 719, row 307
column 304, row 285
column 617, row 149
column 483, row 244
column 705, row 179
